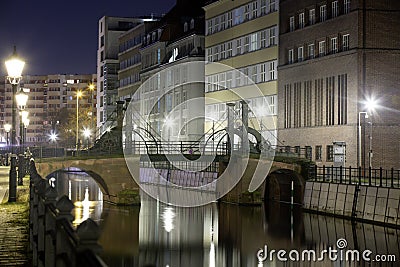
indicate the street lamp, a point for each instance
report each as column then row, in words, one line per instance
column 26, row 125
column 91, row 89
column 24, row 116
column 87, row 133
column 78, row 95
column 53, row 138
column 14, row 67
column 365, row 116
column 370, row 105
column 7, row 128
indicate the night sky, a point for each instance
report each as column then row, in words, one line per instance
column 57, row 37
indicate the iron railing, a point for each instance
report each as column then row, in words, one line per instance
column 349, row 175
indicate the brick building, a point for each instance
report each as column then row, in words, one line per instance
column 334, row 57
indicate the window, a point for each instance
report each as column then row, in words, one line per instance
column 102, row 41
column 291, row 22
column 263, row 39
column 329, row 153
column 263, row 7
column 246, row 44
column 311, row 18
column 229, row 50
column 223, row 51
column 272, row 5
column 335, row 9
column 308, row 152
column 322, row 13
column 334, row 47
column 229, row 20
column 247, row 12
column 290, row 56
column 209, row 55
column 272, row 70
column 311, row 51
column 321, row 48
column 346, row 6
column 262, row 73
column 185, row 27
column 209, row 27
column 301, row 20
column 238, row 46
column 216, row 24
column 192, row 24
column 300, row 53
column 223, row 23
column 318, row 153
column 345, row 41
column 272, row 36
column 254, row 9
column 253, row 42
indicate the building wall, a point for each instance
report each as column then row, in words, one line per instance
column 368, row 64
column 109, row 31
column 242, row 35
column 47, row 95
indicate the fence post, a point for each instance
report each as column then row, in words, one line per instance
column 63, row 249
column 340, row 174
column 349, row 174
column 323, row 173
column 50, row 226
column 359, row 175
column 380, row 176
column 392, row 177
column 88, row 233
column 369, row 176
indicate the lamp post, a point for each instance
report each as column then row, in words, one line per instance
column 7, row 128
column 53, row 138
column 14, row 67
column 78, row 95
column 91, row 89
column 26, row 125
column 370, row 105
column 365, row 116
column 24, row 116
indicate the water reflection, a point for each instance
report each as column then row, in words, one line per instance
column 218, row 234
column 83, row 191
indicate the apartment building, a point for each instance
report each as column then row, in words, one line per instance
column 169, row 75
column 129, row 57
column 243, row 36
column 335, row 58
column 109, row 30
column 51, row 100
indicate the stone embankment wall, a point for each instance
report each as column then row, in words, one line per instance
column 362, row 202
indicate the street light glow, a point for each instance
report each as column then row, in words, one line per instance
column 87, row 133
column 14, row 66
column 53, row 137
column 371, row 104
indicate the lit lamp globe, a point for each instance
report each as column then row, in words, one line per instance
column 22, row 98
column 26, row 123
column 14, row 67
column 7, row 127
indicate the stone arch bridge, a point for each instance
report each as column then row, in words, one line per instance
column 113, row 177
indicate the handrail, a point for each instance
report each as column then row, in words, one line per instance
column 53, row 239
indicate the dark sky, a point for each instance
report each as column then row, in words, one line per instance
column 57, row 37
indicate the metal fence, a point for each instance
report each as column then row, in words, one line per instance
column 364, row 176
column 53, row 239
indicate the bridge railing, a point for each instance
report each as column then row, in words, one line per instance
column 53, row 239
column 349, row 175
column 175, row 147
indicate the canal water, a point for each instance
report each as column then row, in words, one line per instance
column 220, row 235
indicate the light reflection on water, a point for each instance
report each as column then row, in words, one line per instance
column 216, row 235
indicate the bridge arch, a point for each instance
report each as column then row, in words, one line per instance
column 95, row 176
column 278, row 186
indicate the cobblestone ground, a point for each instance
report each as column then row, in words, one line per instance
column 13, row 226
